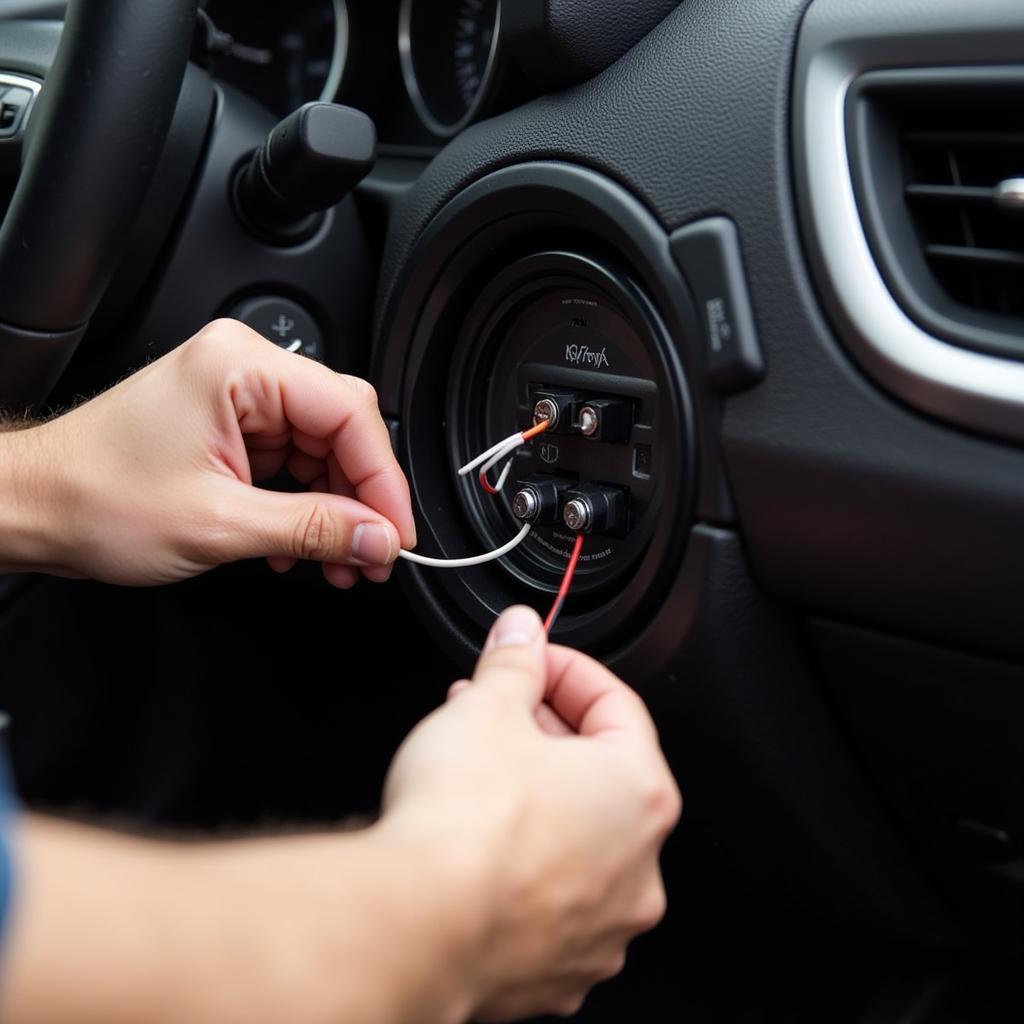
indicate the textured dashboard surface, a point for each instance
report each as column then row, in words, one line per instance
column 688, row 117
column 848, row 502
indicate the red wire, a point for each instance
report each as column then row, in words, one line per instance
column 486, row 484
column 563, row 590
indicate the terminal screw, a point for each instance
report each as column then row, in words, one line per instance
column 596, row 508
column 607, row 419
column 526, row 505
column 539, row 499
column 578, row 515
column 589, row 420
column 558, row 406
column 546, row 409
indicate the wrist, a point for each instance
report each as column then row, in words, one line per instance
column 440, row 898
column 33, row 499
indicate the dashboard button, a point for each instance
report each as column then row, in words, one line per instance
column 13, row 104
column 708, row 254
column 283, row 322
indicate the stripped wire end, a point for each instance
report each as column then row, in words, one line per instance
column 502, row 450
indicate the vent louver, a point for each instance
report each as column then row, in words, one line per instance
column 938, row 162
column 972, row 229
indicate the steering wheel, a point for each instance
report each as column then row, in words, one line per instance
column 91, row 153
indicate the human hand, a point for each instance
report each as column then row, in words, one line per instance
column 545, row 774
column 516, row 856
column 152, row 480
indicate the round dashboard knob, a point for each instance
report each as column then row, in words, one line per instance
column 283, row 322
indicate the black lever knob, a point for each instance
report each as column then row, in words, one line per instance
column 310, row 161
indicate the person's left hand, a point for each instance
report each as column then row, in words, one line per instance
column 152, row 481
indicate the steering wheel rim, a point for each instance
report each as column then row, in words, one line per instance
column 92, row 149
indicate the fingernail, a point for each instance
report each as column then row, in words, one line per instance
column 372, row 544
column 378, row 573
column 516, row 627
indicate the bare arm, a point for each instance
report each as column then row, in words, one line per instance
column 518, row 850
column 516, row 857
column 152, row 481
column 352, row 927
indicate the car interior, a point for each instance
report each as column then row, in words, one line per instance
column 759, row 265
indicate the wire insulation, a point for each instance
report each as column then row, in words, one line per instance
column 503, row 449
column 563, row 590
column 465, row 563
column 513, row 439
column 537, row 428
column 502, row 477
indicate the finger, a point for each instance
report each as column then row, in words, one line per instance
column 266, row 464
column 280, row 565
column 512, row 660
column 338, row 484
column 545, row 716
column 319, row 403
column 344, row 577
column 303, row 467
column 377, row 573
column 310, row 525
column 265, row 442
column 549, row 720
column 456, row 688
column 592, row 700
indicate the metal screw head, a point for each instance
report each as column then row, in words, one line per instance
column 1009, row 194
column 525, row 504
column 578, row 514
column 589, row 421
column 545, row 409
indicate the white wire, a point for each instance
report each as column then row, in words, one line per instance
column 502, row 453
column 513, row 440
column 503, row 476
column 507, row 452
column 465, row 563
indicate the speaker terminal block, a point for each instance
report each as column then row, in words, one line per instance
column 569, row 412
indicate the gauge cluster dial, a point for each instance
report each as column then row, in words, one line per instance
column 449, row 53
column 422, row 69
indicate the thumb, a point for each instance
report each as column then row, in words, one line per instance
column 514, row 659
column 310, row 525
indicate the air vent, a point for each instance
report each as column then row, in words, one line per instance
column 938, row 163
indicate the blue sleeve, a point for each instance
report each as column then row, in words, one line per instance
column 6, row 815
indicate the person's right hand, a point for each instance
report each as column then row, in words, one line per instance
column 545, row 774
column 516, row 857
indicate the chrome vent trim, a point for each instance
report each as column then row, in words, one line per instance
column 840, row 40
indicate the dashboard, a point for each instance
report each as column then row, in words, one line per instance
column 783, row 241
column 422, row 69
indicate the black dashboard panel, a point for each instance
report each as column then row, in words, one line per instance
column 848, row 501
column 850, row 504
column 849, row 574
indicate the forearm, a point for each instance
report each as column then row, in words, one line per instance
column 32, row 498
column 111, row 929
